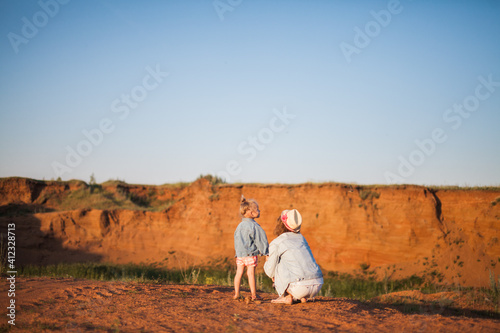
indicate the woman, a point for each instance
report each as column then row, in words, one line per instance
column 290, row 264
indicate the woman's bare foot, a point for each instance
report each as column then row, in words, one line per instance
column 283, row 300
column 236, row 297
column 257, row 298
column 303, row 300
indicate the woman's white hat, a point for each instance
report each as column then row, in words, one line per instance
column 291, row 219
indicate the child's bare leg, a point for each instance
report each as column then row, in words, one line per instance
column 251, row 280
column 237, row 280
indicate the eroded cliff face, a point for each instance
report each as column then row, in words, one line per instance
column 449, row 235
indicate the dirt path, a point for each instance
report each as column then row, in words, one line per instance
column 74, row 305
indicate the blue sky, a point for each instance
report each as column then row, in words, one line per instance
column 371, row 92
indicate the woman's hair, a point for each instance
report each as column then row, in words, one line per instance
column 280, row 227
column 246, row 205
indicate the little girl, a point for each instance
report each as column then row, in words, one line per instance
column 249, row 241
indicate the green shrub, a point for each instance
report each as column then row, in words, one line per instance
column 214, row 180
column 368, row 195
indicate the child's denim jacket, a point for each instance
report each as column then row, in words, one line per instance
column 250, row 239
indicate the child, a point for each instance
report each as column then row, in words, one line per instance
column 249, row 241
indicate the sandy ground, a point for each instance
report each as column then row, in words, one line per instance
column 75, row 305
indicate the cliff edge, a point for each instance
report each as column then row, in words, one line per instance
column 447, row 235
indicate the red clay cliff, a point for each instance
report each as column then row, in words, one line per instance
column 448, row 235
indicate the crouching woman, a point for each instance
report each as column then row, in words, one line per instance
column 290, row 264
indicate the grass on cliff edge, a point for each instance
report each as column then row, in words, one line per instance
column 335, row 285
column 98, row 196
column 95, row 197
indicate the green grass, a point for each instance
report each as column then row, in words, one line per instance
column 336, row 284
column 365, row 288
column 464, row 188
column 138, row 273
column 96, row 197
column 84, row 198
column 360, row 287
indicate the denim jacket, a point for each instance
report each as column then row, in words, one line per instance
column 250, row 239
column 290, row 260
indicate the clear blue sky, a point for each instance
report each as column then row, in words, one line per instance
column 355, row 84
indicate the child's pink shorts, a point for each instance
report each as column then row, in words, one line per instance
column 247, row 261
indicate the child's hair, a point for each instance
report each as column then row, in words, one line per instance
column 280, row 227
column 246, row 205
